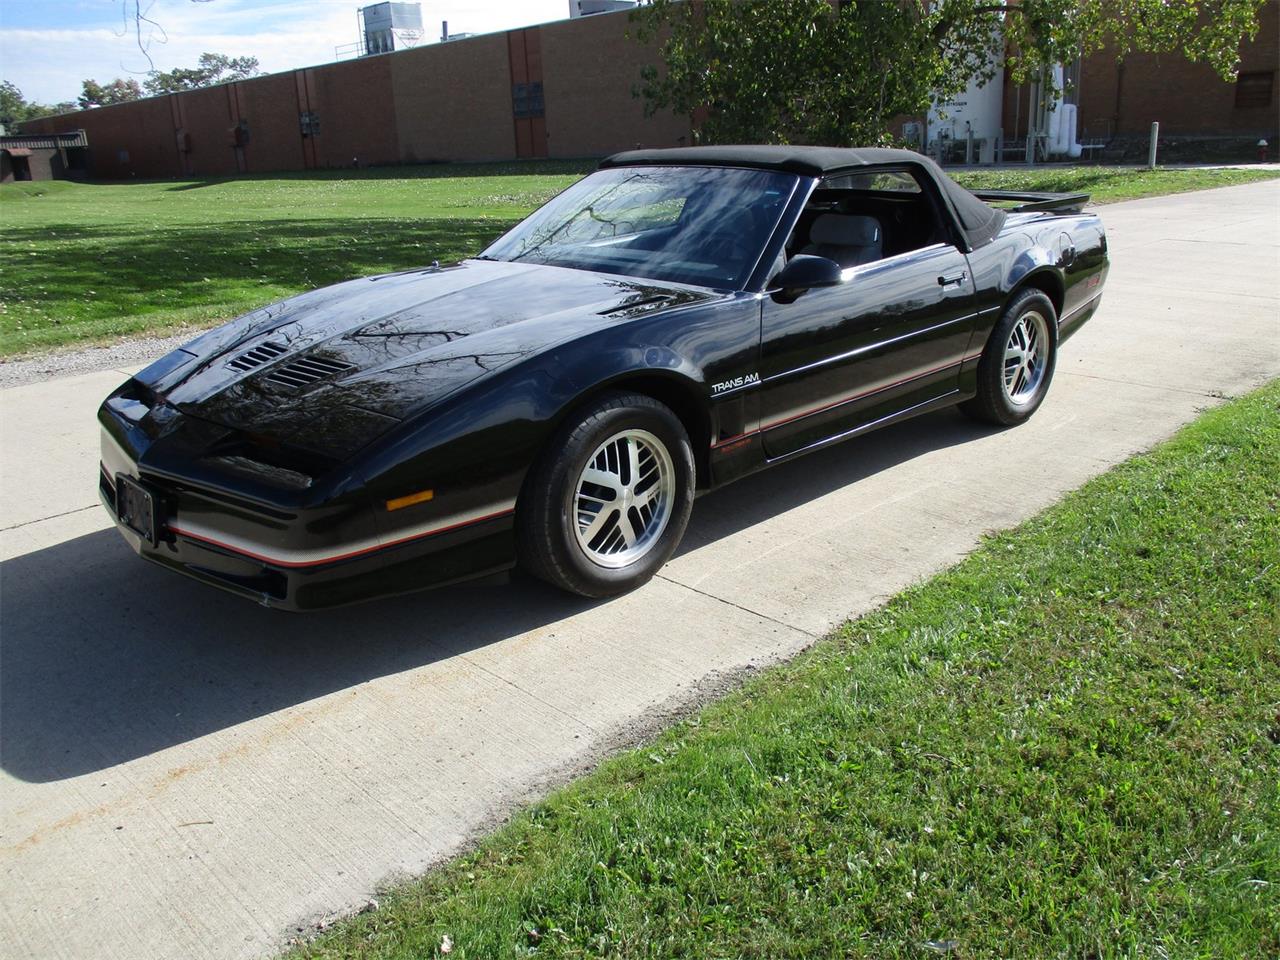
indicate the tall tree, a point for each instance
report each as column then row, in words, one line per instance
column 13, row 105
column 211, row 68
column 15, row 108
column 787, row 71
column 94, row 94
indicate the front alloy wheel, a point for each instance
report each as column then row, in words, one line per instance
column 606, row 504
column 624, row 497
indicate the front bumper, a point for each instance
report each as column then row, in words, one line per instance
column 289, row 553
column 468, row 550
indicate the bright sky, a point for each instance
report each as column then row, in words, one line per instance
column 47, row 47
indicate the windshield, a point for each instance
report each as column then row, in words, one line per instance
column 699, row 225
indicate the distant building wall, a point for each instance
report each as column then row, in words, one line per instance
column 43, row 157
column 1122, row 98
column 30, row 164
column 453, row 101
column 562, row 90
column 448, row 101
column 590, row 67
column 128, row 140
column 357, row 112
column 207, row 116
column 528, row 98
column 271, row 108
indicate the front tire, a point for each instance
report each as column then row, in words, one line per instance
column 608, row 501
column 1017, row 365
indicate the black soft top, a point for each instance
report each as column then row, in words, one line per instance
column 979, row 221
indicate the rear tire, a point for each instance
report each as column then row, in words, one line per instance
column 608, row 501
column 1017, row 364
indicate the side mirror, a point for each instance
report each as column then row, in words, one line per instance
column 802, row 273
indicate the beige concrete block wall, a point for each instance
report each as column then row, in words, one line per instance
column 270, row 105
column 590, row 67
column 357, row 117
column 453, row 101
column 143, row 130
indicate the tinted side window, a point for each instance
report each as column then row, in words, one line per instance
column 881, row 213
column 894, row 181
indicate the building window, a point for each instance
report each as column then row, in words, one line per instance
column 1254, row 89
column 526, row 100
column 310, row 122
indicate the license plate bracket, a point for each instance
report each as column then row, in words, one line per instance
column 136, row 508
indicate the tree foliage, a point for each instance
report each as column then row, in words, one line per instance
column 1044, row 32
column 13, row 105
column 793, row 70
column 15, row 108
column 94, row 94
column 212, row 68
column 815, row 71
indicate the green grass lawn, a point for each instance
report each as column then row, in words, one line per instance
column 86, row 262
column 92, row 262
column 1066, row 746
column 1108, row 184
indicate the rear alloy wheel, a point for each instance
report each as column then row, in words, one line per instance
column 608, row 502
column 1026, row 357
column 1018, row 363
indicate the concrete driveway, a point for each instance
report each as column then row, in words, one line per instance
column 186, row 775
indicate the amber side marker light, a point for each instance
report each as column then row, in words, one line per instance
column 422, row 496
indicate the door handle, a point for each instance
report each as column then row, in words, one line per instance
column 955, row 278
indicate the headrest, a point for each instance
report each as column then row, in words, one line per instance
column 845, row 230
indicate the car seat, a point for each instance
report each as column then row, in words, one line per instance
column 848, row 239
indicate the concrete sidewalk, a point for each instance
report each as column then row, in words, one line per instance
column 186, row 775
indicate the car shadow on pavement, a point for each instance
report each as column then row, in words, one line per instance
column 104, row 658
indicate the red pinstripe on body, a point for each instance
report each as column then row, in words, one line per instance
column 293, row 564
column 836, row 403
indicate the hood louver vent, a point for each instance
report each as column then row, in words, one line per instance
column 307, row 370
column 256, row 357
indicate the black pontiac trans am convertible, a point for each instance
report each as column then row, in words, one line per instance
column 674, row 321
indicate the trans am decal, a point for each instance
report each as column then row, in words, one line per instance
column 746, row 380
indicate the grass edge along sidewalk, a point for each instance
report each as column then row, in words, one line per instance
column 1066, row 745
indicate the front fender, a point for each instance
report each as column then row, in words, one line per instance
column 590, row 375
column 477, row 445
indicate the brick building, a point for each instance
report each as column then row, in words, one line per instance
column 559, row 90
column 1118, row 100
column 53, row 157
column 563, row 89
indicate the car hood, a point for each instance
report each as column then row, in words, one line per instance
column 334, row 368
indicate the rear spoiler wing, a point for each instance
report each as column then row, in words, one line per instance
column 1028, row 202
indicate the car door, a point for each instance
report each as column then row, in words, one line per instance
column 889, row 338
